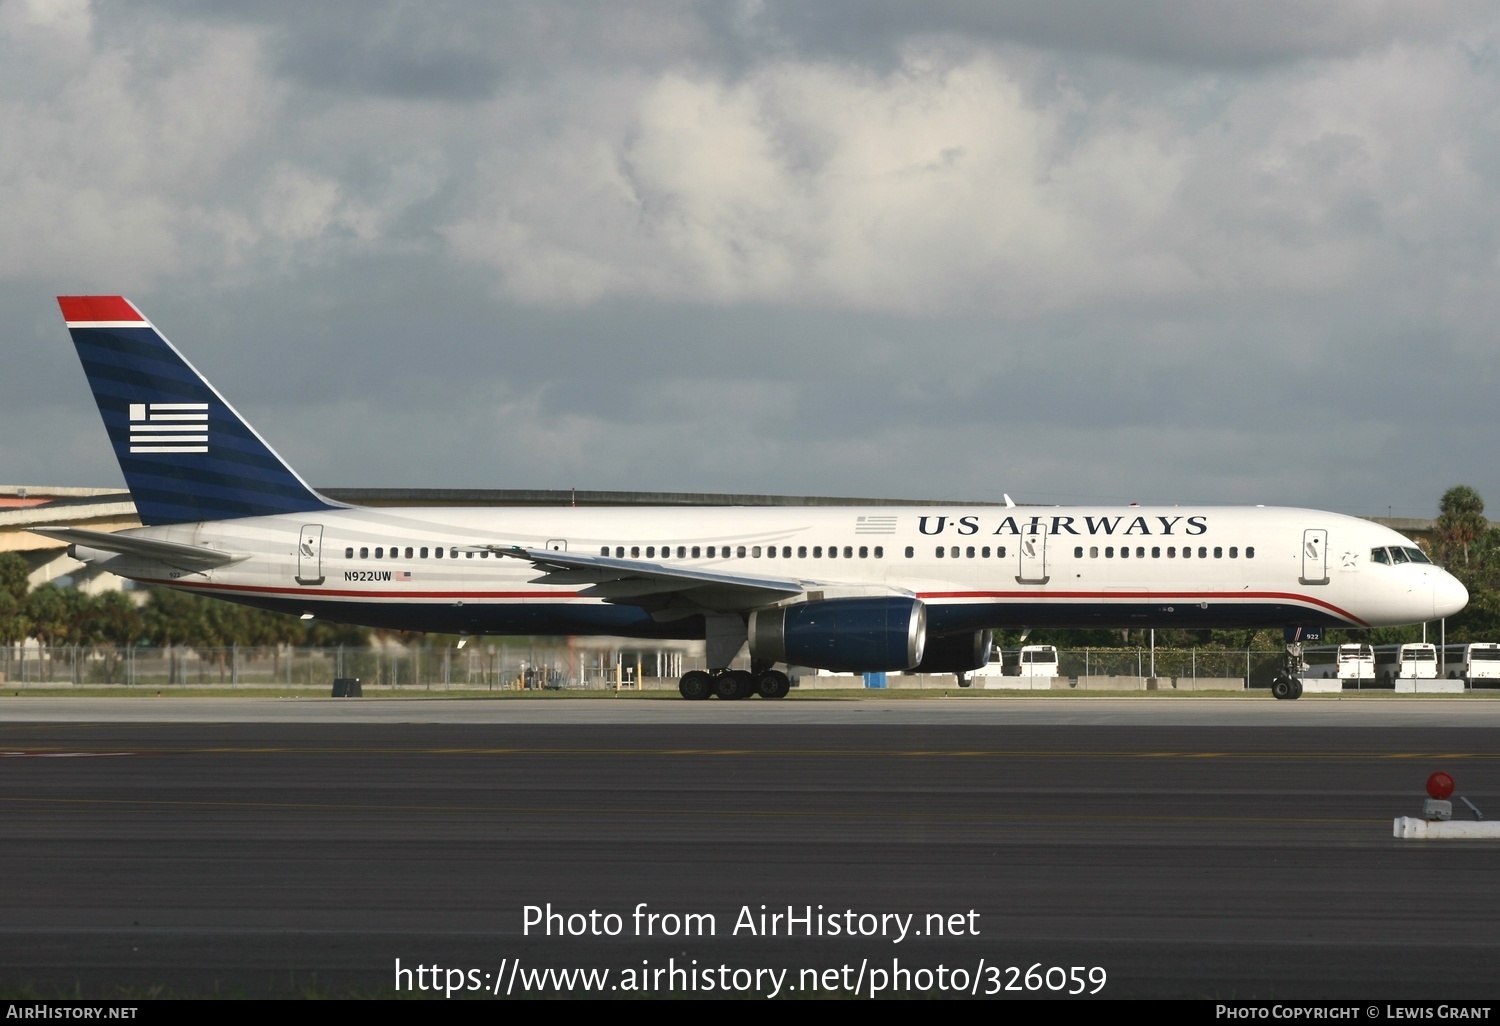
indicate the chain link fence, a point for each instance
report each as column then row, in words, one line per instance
column 1256, row 667
column 485, row 667
column 478, row 667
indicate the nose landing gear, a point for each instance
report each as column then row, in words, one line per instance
column 1287, row 684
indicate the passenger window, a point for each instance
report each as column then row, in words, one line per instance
column 984, row 553
column 969, row 552
column 864, row 552
column 1078, row 552
column 755, row 552
column 1140, row 552
column 941, row 552
column 1093, row 552
column 438, row 553
column 833, row 552
column 408, row 552
column 801, row 551
column 1000, row 552
column 635, row 552
column 650, row 551
column 955, row 552
column 1109, row 552
column 770, row 552
column 1234, row 552
column 604, row 551
column 818, row 552
column 1171, row 551
column 1155, row 552
column 467, row 555
column 379, row 552
column 739, row 553
column 349, row 553
column 1124, row 551
column 696, row 551
column 1202, row 551
column 910, row 552
column 880, row 552
column 1218, row 552
column 1249, row 551
column 682, row 552
column 619, row 552
column 786, row 552
column 483, row 555
column 424, row 551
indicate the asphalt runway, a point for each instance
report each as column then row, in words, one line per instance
column 1204, row 858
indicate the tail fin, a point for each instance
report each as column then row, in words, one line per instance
column 186, row 454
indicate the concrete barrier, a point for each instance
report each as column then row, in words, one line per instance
column 1432, row 687
column 990, row 683
column 1206, row 684
column 1102, row 683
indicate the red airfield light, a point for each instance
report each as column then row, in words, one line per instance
column 1440, row 785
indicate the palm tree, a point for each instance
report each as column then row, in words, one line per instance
column 1461, row 518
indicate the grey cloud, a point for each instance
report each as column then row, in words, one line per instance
column 1216, row 34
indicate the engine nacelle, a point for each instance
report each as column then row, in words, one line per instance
column 957, row 653
column 852, row 634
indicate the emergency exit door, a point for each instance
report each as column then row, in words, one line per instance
column 1033, row 555
column 310, row 554
column 1314, row 556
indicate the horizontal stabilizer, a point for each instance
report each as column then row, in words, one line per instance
column 185, row 557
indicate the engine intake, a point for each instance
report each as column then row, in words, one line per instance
column 851, row 635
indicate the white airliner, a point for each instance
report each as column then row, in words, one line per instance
column 855, row 588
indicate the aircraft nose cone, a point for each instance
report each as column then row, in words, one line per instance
column 1448, row 595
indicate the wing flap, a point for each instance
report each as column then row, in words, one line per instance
column 622, row 580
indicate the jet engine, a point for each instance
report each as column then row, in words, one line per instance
column 957, row 653
column 850, row 635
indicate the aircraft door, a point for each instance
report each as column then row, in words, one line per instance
column 1314, row 556
column 1033, row 553
column 310, row 554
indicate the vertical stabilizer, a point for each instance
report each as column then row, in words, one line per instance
column 186, row 454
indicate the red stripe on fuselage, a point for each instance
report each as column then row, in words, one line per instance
column 345, row 593
column 1191, row 596
column 1153, row 596
column 83, row 309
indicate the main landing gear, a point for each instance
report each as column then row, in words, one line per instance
column 1287, row 685
column 732, row 685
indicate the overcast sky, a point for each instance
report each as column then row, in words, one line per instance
column 1073, row 250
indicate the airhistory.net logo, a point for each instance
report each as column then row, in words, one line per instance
column 169, row 427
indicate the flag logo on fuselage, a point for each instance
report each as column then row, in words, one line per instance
column 169, row 427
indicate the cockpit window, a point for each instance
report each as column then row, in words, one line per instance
column 1399, row 555
column 1379, row 556
column 1417, row 555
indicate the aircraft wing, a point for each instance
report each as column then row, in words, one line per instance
column 185, row 557
column 654, row 586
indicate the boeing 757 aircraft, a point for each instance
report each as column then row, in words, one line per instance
column 854, row 588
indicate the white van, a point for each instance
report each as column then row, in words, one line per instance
column 1414, row 661
column 1028, row 667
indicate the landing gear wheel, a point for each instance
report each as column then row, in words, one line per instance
column 773, row 684
column 1282, row 688
column 1296, row 688
column 734, row 685
column 695, row 685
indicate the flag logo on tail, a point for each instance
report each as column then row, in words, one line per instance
column 169, row 427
